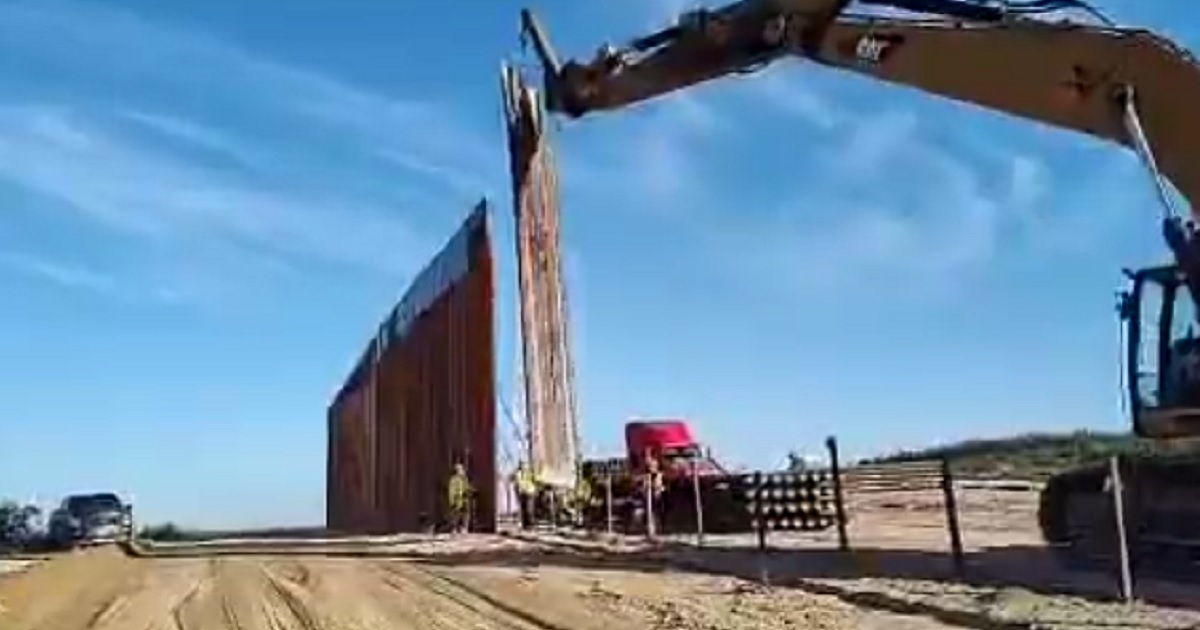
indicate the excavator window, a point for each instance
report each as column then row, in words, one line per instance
column 1144, row 334
column 1164, row 354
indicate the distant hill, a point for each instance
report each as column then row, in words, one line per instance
column 1034, row 456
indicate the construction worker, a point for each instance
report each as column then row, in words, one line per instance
column 654, row 470
column 459, row 495
column 654, row 486
column 526, row 487
column 583, row 498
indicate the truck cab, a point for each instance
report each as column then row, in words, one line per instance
column 672, row 443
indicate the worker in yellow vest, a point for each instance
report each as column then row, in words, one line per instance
column 526, row 487
column 583, row 498
column 654, row 486
column 459, row 499
column 654, row 472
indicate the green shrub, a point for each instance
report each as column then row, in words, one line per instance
column 164, row 532
column 1033, row 456
column 18, row 525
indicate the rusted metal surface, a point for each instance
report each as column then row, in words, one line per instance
column 426, row 388
column 548, row 369
column 352, row 449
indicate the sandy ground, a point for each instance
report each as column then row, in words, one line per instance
column 103, row 589
column 900, row 562
column 899, row 576
column 15, row 566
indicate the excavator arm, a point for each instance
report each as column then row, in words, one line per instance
column 1096, row 79
column 1128, row 86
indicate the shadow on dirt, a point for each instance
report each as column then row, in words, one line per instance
column 1033, row 569
column 333, row 550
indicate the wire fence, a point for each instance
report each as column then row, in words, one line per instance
column 809, row 506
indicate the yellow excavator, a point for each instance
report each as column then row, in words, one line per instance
column 1057, row 62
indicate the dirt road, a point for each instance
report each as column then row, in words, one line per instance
column 898, row 578
column 105, row 590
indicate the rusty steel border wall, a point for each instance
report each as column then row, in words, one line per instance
column 421, row 398
column 548, row 369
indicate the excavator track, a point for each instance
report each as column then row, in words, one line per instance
column 1162, row 515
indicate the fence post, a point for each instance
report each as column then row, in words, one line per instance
column 956, row 545
column 608, row 503
column 1114, row 467
column 699, row 501
column 648, row 486
column 764, row 573
column 839, row 500
column 759, row 511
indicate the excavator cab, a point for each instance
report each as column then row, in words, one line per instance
column 1163, row 353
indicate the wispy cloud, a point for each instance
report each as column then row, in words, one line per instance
column 454, row 178
column 62, row 274
column 910, row 217
column 899, row 213
column 197, row 134
column 315, row 169
column 123, row 49
column 787, row 93
column 133, row 189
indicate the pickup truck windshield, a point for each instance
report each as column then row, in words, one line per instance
column 93, row 503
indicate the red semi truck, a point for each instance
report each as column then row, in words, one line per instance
column 673, row 444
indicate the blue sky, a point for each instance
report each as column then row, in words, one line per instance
column 208, row 206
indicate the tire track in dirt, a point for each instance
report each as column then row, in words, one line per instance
column 408, row 576
column 240, row 594
column 80, row 590
column 108, row 591
column 328, row 594
column 150, row 597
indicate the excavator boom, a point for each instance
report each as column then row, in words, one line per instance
column 1065, row 75
column 1071, row 75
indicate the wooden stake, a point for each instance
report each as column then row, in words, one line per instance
column 956, row 545
column 759, row 511
column 608, row 503
column 1114, row 467
column 699, row 504
column 839, row 500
